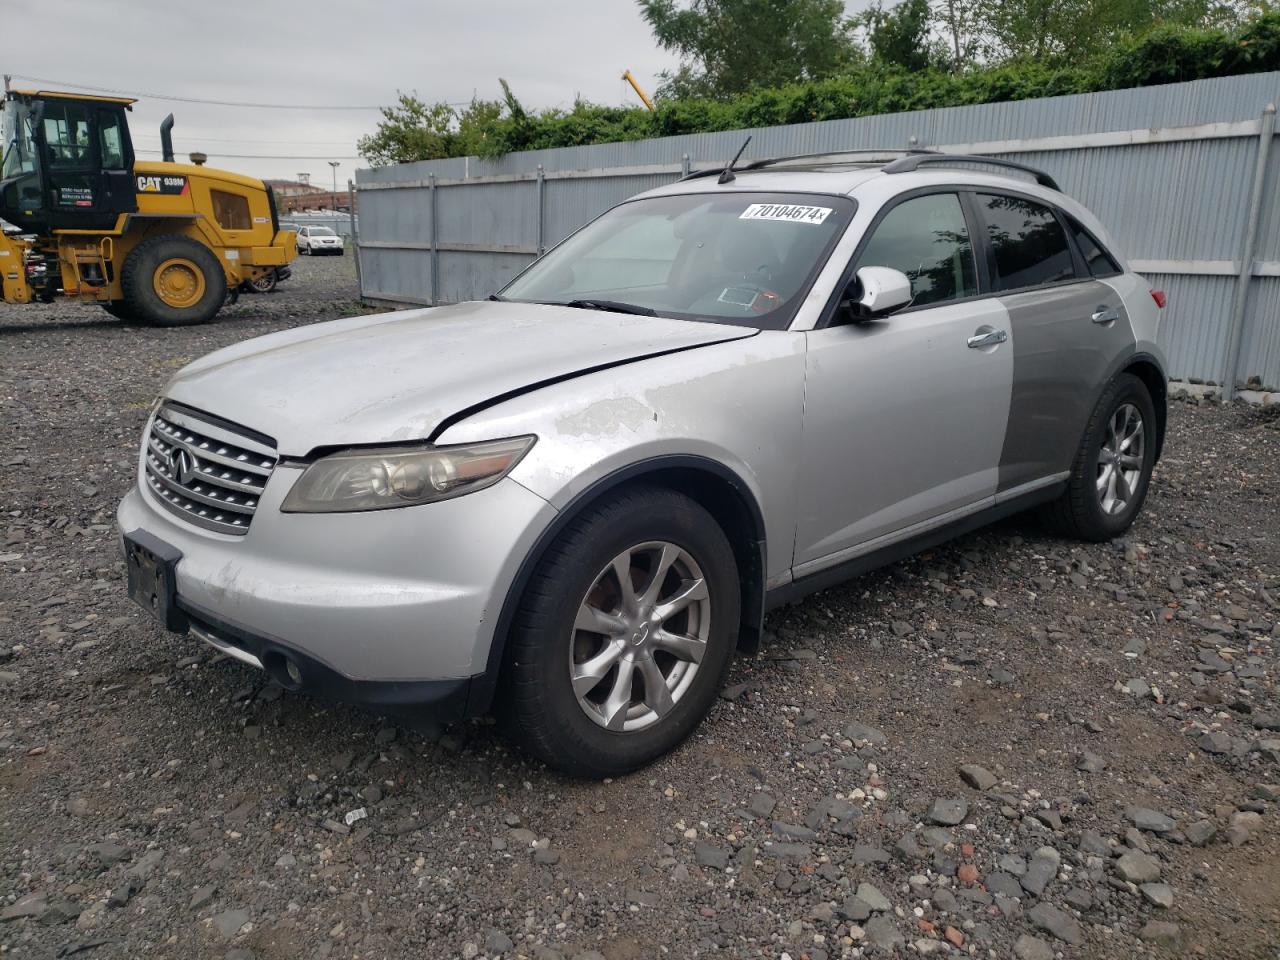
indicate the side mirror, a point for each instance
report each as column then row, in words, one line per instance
column 876, row 292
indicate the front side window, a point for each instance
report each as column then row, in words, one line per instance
column 730, row 257
column 230, row 210
column 66, row 135
column 927, row 239
column 1028, row 245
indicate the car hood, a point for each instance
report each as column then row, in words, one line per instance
column 396, row 377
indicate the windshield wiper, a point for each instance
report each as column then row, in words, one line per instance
column 613, row 306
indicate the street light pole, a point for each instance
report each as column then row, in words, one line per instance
column 334, row 164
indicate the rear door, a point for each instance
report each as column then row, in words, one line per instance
column 905, row 417
column 1067, row 329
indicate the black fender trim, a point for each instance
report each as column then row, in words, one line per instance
column 1160, row 401
column 483, row 687
column 1130, row 358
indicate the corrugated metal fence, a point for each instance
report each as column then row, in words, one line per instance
column 1172, row 170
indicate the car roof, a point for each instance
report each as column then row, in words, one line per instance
column 868, row 183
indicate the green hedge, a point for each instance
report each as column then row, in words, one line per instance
column 1164, row 55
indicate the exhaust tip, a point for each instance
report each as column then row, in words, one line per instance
column 284, row 670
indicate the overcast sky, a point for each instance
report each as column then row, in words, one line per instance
column 327, row 53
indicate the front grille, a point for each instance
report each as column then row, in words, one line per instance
column 209, row 473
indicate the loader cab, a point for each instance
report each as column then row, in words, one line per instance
column 68, row 161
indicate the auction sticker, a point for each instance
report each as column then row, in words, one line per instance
column 786, row 212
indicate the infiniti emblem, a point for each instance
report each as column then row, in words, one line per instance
column 182, row 465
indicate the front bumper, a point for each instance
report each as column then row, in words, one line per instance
column 447, row 699
column 389, row 608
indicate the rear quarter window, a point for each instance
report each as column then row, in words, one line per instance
column 1099, row 262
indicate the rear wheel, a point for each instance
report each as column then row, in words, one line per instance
column 264, row 283
column 172, row 281
column 623, row 636
column 1112, row 468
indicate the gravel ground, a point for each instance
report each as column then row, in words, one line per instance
column 1013, row 746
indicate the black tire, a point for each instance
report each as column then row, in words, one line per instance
column 1079, row 512
column 120, row 310
column 140, row 268
column 538, row 705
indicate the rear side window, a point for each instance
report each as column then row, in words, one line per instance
column 230, row 210
column 1099, row 262
column 927, row 239
column 1028, row 245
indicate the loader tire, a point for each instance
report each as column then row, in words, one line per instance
column 173, row 281
column 120, row 310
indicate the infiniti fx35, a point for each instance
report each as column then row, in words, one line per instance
column 572, row 503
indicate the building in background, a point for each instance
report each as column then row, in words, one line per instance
column 294, row 196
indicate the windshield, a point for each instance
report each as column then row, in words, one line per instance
column 19, row 150
column 743, row 258
column 321, row 232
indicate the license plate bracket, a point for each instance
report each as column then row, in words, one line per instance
column 152, row 566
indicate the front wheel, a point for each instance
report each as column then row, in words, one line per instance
column 1112, row 468
column 624, row 635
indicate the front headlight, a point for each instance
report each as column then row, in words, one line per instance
column 401, row 476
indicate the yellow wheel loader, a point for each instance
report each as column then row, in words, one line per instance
column 163, row 243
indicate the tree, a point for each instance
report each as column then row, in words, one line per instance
column 415, row 130
column 958, row 23
column 730, row 47
column 410, row 130
column 1063, row 30
column 901, row 35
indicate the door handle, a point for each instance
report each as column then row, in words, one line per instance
column 1105, row 314
column 988, row 339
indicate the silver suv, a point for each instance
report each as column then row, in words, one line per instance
column 572, row 503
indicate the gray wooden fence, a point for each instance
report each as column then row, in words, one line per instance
column 1180, row 173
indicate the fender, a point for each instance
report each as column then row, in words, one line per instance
column 483, row 687
column 1159, row 399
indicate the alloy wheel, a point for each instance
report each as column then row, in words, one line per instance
column 1121, row 459
column 639, row 636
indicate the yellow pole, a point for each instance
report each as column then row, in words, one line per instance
column 635, row 85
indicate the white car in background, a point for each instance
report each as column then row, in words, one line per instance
column 318, row 240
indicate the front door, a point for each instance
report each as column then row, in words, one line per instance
column 905, row 417
column 86, row 159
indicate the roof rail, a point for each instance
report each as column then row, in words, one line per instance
column 917, row 160
column 839, row 155
column 871, row 155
